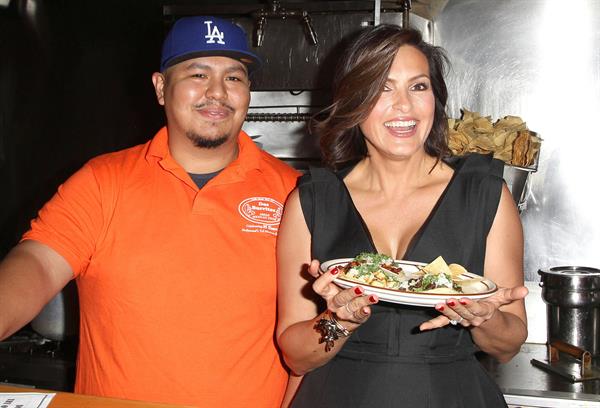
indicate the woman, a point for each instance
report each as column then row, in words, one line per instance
column 391, row 189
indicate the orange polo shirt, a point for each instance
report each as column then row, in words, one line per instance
column 177, row 285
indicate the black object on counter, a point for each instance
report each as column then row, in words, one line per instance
column 519, row 380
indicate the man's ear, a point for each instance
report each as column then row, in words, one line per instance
column 158, row 79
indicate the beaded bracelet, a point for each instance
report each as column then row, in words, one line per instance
column 330, row 329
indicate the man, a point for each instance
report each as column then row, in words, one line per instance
column 172, row 243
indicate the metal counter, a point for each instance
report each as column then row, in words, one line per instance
column 524, row 385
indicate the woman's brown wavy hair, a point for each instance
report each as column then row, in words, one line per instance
column 359, row 81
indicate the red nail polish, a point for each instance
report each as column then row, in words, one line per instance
column 358, row 290
column 335, row 271
column 462, row 302
column 451, row 303
column 440, row 308
column 372, row 299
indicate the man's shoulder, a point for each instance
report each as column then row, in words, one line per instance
column 118, row 158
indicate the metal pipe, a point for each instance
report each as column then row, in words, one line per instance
column 406, row 13
column 260, row 30
column 278, row 117
column 276, row 11
column 310, row 30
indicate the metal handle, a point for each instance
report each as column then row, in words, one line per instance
column 556, row 346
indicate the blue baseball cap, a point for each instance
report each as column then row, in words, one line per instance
column 205, row 36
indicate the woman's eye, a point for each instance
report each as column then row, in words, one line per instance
column 421, row 86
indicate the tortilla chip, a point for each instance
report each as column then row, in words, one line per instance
column 457, row 142
column 476, row 133
column 437, row 266
column 520, row 147
column 534, row 148
column 482, row 144
column 483, row 125
column 456, row 270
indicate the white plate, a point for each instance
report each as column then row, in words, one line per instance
column 479, row 290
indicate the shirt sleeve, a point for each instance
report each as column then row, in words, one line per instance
column 71, row 222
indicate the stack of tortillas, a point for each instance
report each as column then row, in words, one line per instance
column 508, row 138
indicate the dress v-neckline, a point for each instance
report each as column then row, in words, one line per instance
column 420, row 232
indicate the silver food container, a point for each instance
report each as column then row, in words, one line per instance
column 572, row 297
column 59, row 319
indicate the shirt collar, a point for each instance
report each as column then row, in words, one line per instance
column 248, row 157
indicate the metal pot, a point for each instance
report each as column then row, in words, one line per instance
column 572, row 297
column 59, row 319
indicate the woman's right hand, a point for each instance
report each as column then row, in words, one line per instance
column 351, row 306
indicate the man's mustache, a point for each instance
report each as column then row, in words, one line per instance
column 214, row 103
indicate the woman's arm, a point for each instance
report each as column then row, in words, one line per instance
column 498, row 324
column 297, row 296
column 503, row 333
column 290, row 392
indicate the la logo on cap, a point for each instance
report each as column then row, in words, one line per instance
column 213, row 34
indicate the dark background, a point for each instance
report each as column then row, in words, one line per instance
column 74, row 83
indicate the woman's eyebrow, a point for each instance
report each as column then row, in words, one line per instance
column 418, row 77
column 413, row 78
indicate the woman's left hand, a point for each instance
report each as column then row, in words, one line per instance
column 471, row 312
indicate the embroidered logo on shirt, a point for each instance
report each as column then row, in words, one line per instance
column 213, row 33
column 264, row 214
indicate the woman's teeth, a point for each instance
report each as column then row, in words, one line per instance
column 401, row 123
column 405, row 125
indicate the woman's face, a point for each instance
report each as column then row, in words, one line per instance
column 402, row 118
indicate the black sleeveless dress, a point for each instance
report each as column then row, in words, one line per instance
column 388, row 362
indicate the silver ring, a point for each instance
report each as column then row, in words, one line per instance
column 455, row 322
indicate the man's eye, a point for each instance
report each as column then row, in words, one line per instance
column 198, row 75
column 234, row 78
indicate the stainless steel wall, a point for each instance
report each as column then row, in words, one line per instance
column 538, row 59
column 307, row 88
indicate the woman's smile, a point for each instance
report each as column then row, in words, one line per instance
column 401, row 128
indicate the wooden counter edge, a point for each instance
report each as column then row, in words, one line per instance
column 70, row 400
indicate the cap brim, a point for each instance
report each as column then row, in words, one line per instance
column 250, row 60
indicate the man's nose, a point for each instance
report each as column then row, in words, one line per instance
column 216, row 90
